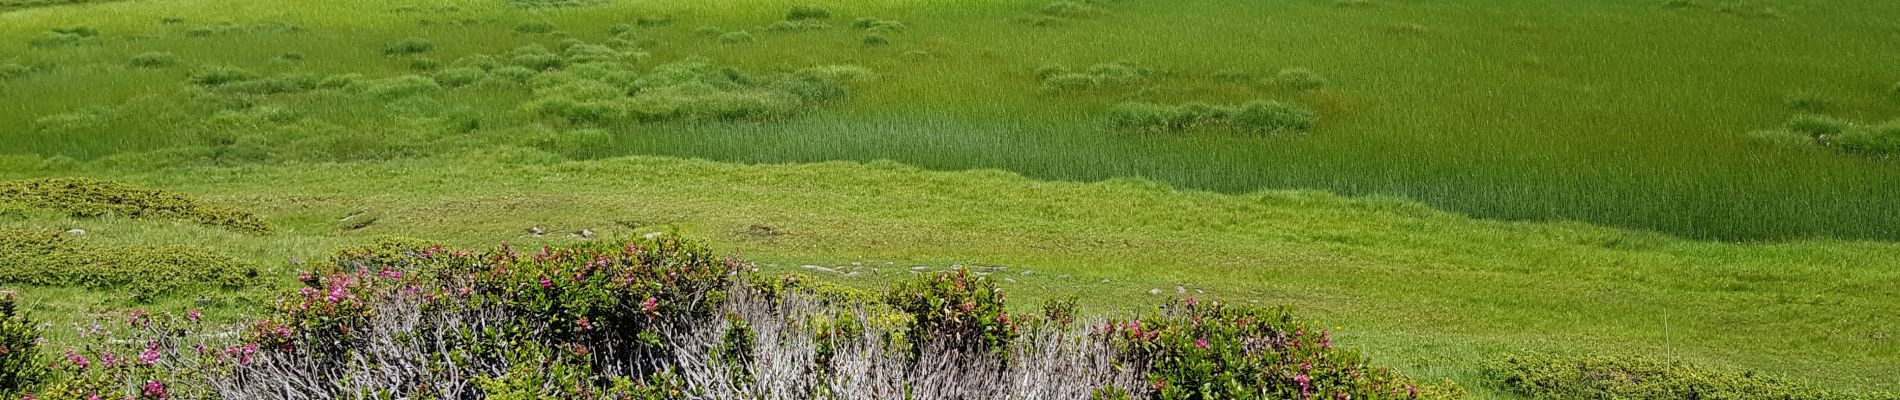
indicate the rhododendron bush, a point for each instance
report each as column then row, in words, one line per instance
column 664, row 318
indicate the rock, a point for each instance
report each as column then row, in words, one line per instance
column 585, row 233
column 920, row 268
column 853, row 273
column 1063, row 276
column 821, row 268
column 1180, row 290
column 1154, row 292
column 1198, row 291
column 536, row 231
column 76, row 232
column 1028, row 273
column 1104, row 280
column 654, row 235
column 1010, row 280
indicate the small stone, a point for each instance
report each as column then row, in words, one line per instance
column 1104, row 280
column 1010, row 280
column 536, row 231
column 920, row 268
column 1063, row 276
column 1028, row 273
column 820, row 268
column 1180, row 290
column 76, row 232
column 1198, row 291
column 1154, row 292
column 585, row 233
column 853, row 273
column 654, row 235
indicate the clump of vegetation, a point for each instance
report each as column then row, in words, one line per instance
column 409, row 46
column 1636, row 377
column 535, row 27
column 1299, row 79
column 802, row 25
column 876, row 40
column 154, row 60
column 21, row 366
column 1872, row 140
column 807, row 12
column 735, row 37
column 218, row 75
column 1259, row 116
column 692, row 90
column 71, row 36
column 663, row 318
column 533, row 4
column 1057, row 12
column 10, row 71
column 233, row 28
column 56, row 258
column 878, row 26
column 87, row 198
column 1059, row 79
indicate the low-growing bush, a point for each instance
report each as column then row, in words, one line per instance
column 154, row 60
column 55, row 258
column 802, row 25
column 459, row 76
column 87, row 198
column 874, row 25
column 1259, row 116
column 876, row 40
column 1068, row 9
column 807, row 12
column 662, row 318
column 408, row 47
column 1635, row 377
column 71, row 36
column 1056, row 79
column 689, row 90
column 21, row 366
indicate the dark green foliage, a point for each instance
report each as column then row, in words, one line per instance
column 1210, row 351
column 958, row 310
column 54, row 258
column 875, row 25
column 689, row 90
column 86, row 198
column 11, row 71
column 876, row 40
column 803, row 25
column 1877, row 140
column 807, row 12
column 409, row 46
column 1869, row 140
column 1638, row 377
column 1259, row 116
column 459, row 76
column 154, row 60
column 21, row 366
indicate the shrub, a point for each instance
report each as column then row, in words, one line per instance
column 1300, row 79
column 21, row 367
column 737, row 37
column 424, row 64
column 1838, row 134
column 154, row 60
column 1271, row 116
column 874, row 25
column 218, row 75
column 876, row 40
column 807, row 12
column 1056, row 79
column 1637, row 377
column 1880, row 140
column 408, row 47
column 54, row 258
column 535, row 27
column 86, row 198
column 958, row 310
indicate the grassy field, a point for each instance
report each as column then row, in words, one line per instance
column 1493, row 109
column 1480, row 177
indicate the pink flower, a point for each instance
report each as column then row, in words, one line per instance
column 151, row 354
column 94, row 396
column 1201, row 343
column 390, row 274
column 194, row 315
column 77, row 360
column 968, row 306
column 650, row 305
column 546, row 284
column 585, row 324
column 155, row 389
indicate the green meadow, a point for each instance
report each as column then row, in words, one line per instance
column 1446, row 182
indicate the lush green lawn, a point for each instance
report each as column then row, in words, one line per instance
column 1624, row 113
column 1431, row 292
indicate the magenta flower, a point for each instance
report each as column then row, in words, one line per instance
column 155, row 389
column 1201, row 343
column 546, row 284
column 194, row 315
column 390, row 274
column 151, row 354
column 77, row 360
column 650, row 305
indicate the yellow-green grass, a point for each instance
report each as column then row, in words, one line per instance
column 1625, row 113
column 1434, row 293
